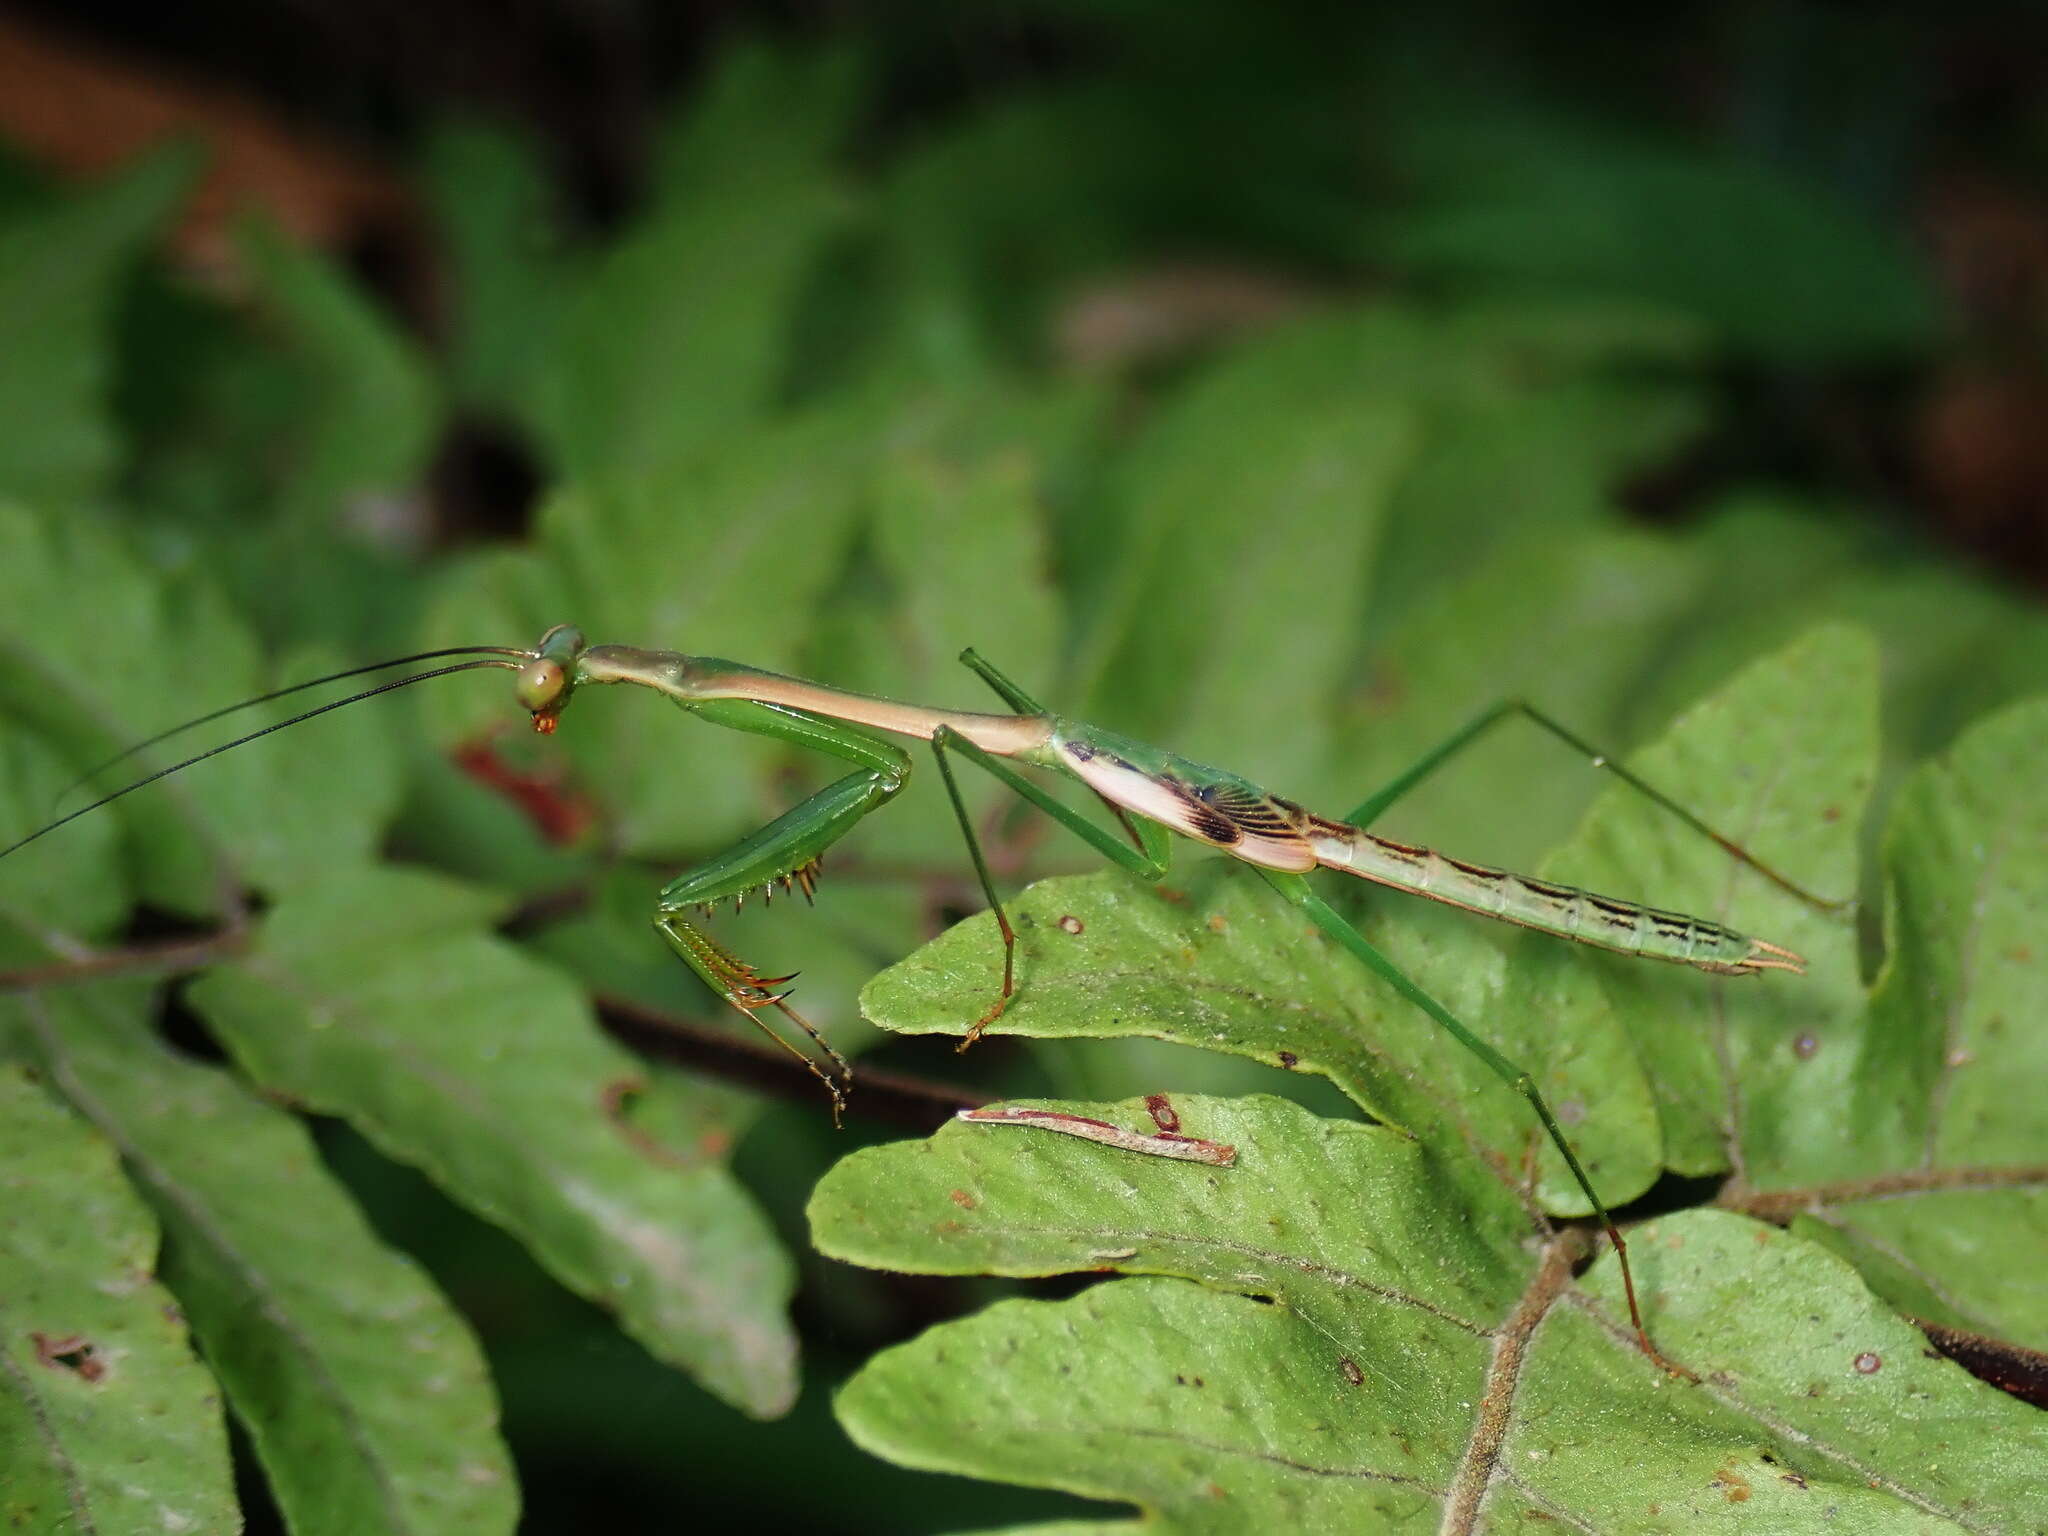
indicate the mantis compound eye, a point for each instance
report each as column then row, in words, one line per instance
column 543, row 688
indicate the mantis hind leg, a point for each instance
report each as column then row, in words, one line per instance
column 1374, row 805
column 1297, row 890
column 786, row 852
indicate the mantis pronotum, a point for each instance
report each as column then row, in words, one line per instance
column 1148, row 792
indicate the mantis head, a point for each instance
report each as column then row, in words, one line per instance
column 546, row 682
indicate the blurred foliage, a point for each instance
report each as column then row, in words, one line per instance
column 1272, row 399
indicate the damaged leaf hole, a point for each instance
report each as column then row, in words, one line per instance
column 73, row 1352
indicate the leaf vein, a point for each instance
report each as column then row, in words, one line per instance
column 1315, row 1267
column 1550, row 1506
column 1870, row 1475
column 1480, row 1463
column 1986, row 1325
column 1215, row 1448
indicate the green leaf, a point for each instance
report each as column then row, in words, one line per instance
column 678, row 338
column 1343, row 1332
column 458, row 823
column 364, row 1394
column 1527, row 441
column 985, row 218
column 1968, row 852
column 107, row 1422
column 381, row 997
column 1916, row 1120
column 60, row 274
column 1271, row 536
column 965, row 550
column 93, row 676
column 375, row 413
column 1237, row 593
column 1896, row 1119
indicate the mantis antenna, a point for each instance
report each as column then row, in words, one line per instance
column 240, row 741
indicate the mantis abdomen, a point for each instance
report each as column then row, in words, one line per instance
column 1603, row 921
column 1260, row 827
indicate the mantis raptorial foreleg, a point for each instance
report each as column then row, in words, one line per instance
column 785, row 852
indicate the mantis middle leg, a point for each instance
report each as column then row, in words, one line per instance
column 1146, row 855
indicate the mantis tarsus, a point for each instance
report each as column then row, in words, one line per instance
column 1148, row 793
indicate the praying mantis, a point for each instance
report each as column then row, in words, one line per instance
column 1148, row 793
